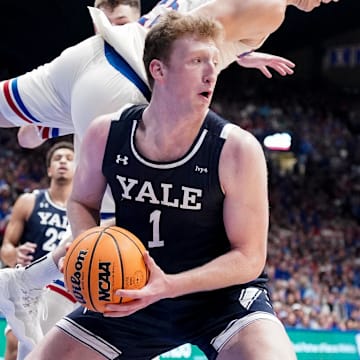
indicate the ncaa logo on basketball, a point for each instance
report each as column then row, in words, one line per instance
column 77, row 278
column 104, row 281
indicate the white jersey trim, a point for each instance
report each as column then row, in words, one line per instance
column 170, row 165
column 89, row 339
column 48, row 199
column 226, row 130
column 235, row 326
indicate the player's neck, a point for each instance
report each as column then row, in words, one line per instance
column 59, row 194
column 167, row 136
column 172, row 117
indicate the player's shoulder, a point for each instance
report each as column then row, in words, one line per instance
column 25, row 202
column 103, row 121
column 240, row 141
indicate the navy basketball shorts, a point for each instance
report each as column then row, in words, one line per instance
column 207, row 320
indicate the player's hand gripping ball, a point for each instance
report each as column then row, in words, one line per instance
column 102, row 260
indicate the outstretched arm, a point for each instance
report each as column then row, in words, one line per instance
column 12, row 252
column 251, row 21
column 262, row 61
column 84, row 204
column 248, row 21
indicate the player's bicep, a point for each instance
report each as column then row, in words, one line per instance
column 89, row 183
column 244, row 178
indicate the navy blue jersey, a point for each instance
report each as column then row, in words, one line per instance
column 46, row 224
column 175, row 208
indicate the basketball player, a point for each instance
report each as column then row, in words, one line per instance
column 194, row 190
column 37, row 224
column 92, row 78
column 125, row 11
column 118, row 12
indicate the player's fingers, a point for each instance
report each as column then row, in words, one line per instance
column 124, row 309
column 23, row 259
column 30, row 245
column 288, row 63
column 266, row 72
column 283, row 69
column 279, row 69
column 281, row 60
column 149, row 262
column 61, row 264
column 132, row 294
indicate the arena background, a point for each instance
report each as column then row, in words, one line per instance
column 325, row 45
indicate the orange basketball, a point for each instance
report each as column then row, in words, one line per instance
column 102, row 260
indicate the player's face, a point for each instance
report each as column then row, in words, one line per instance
column 121, row 15
column 62, row 165
column 192, row 71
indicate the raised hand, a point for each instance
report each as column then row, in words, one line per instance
column 262, row 61
column 309, row 5
column 24, row 253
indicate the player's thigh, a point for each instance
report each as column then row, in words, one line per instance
column 263, row 339
column 11, row 345
column 60, row 346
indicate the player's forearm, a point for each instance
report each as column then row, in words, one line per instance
column 8, row 255
column 232, row 268
column 246, row 20
column 81, row 217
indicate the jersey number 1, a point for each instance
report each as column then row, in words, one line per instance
column 155, row 220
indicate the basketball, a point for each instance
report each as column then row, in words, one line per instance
column 102, row 260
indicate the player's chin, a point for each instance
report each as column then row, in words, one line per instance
column 205, row 98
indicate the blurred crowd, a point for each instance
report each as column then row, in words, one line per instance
column 20, row 171
column 314, row 239
column 314, row 188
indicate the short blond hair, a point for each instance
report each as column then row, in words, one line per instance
column 171, row 27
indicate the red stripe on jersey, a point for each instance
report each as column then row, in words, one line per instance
column 62, row 292
column 11, row 102
column 45, row 133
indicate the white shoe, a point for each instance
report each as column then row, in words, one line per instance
column 19, row 303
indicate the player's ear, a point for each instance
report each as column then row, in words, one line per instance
column 156, row 69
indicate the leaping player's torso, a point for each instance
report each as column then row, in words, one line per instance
column 81, row 83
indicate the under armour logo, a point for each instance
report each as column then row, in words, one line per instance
column 123, row 160
column 44, row 205
column 201, row 170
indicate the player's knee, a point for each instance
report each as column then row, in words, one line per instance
column 261, row 339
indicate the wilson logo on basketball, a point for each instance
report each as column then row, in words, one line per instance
column 76, row 277
column 104, row 281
